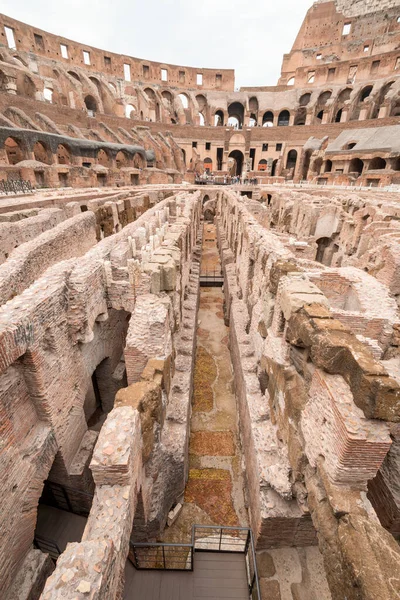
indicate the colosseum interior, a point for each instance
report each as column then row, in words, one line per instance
column 199, row 320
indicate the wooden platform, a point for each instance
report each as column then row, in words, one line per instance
column 216, row 576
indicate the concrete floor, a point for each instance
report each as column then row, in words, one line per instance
column 59, row 526
column 214, row 577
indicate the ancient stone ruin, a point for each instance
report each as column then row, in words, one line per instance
column 199, row 320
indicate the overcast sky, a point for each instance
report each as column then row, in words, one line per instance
column 233, row 34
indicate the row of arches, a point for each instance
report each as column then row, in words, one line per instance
column 15, row 154
column 96, row 94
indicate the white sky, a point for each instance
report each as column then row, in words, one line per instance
column 250, row 37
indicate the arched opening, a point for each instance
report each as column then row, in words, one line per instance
column 291, row 81
column 344, row 95
column 184, row 156
column 305, row 99
column 236, row 114
column 252, row 120
column 377, row 164
column 121, row 159
column 253, row 108
column 356, row 166
column 291, row 159
column 273, row 167
column 300, row 117
column 396, row 164
column 48, row 94
column 395, row 112
column 185, row 100
column 102, row 158
column 342, row 98
column 317, row 166
column 382, row 97
column 323, row 244
column 262, row 165
column 208, row 165
column 74, row 75
column 130, row 111
column 268, row 119
column 283, row 119
column 306, row 165
column 202, row 121
column 91, row 106
column 328, row 166
column 350, row 146
column 338, row 116
column 26, row 87
column 365, row 93
column 319, row 116
column 40, row 152
column 138, row 161
column 323, row 98
column 63, row 156
column 112, row 88
column 219, row 118
column 238, row 157
column 13, row 151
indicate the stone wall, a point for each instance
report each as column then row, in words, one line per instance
column 299, row 371
column 72, row 321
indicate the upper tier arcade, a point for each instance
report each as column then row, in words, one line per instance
column 36, row 42
column 342, row 41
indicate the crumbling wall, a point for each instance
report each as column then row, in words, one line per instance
column 316, row 409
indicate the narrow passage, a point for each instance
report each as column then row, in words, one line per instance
column 214, row 491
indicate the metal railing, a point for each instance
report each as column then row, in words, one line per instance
column 211, row 278
column 163, row 557
column 66, row 498
column 205, row 538
column 47, row 546
column 15, row 186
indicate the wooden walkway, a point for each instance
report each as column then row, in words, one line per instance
column 216, row 576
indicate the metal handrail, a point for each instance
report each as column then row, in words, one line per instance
column 238, row 540
column 47, row 545
column 15, row 186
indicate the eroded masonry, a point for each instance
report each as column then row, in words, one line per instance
column 199, row 320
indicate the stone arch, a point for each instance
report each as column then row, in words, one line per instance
column 13, row 150
column 74, row 75
column 238, row 157
column 291, row 159
column 395, row 110
column 300, row 116
column 121, row 159
column 305, row 99
column 41, row 152
column 105, row 95
column 328, row 166
column 268, row 119
column 208, row 165
column 184, row 98
column 283, row 118
column 385, row 89
column 25, row 86
column 376, row 164
column 63, row 155
column 236, row 114
column 103, row 157
column 219, row 118
column 91, row 105
column 356, row 166
column 262, row 165
column 130, row 111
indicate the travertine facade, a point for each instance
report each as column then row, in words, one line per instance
column 132, row 402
